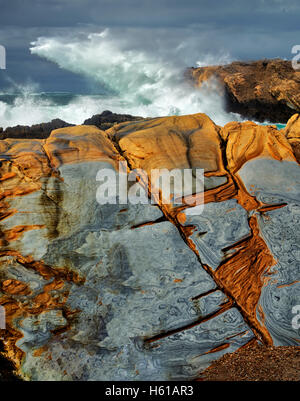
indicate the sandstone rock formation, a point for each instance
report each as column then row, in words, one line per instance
column 144, row 291
column 265, row 90
column 292, row 134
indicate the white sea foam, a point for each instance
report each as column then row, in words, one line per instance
column 29, row 109
column 136, row 82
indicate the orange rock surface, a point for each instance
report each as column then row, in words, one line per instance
column 264, row 90
column 186, row 142
column 78, row 144
column 292, row 133
column 246, row 141
column 195, row 141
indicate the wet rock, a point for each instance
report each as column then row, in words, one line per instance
column 107, row 119
column 264, row 90
column 36, row 131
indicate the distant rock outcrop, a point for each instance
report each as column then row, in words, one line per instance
column 104, row 121
column 36, row 131
column 264, row 90
column 107, row 119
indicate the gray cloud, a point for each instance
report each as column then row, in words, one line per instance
column 244, row 29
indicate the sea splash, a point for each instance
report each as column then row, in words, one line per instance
column 27, row 107
column 134, row 82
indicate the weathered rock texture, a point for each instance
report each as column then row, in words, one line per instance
column 147, row 292
column 265, row 90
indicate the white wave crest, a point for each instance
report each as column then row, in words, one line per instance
column 136, row 82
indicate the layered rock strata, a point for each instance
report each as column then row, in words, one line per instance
column 264, row 90
column 147, row 291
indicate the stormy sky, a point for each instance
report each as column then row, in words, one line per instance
column 203, row 30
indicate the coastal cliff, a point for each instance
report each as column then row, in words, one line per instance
column 147, row 291
column 264, row 90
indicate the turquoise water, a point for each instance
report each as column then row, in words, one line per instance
column 279, row 126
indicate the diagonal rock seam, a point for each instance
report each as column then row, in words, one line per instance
column 260, row 334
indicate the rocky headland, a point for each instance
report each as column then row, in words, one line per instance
column 264, row 90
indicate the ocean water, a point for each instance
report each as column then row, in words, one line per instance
column 280, row 126
column 130, row 81
column 28, row 107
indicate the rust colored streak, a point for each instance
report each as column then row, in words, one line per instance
column 47, row 272
column 219, row 194
column 4, row 214
column 15, row 233
column 181, row 218
column 186, row 232
column 249, row 344
column 261, row 314
column 287, row 285
column 218, row 348
column 242, row 275
column 13, row 310
column 212, row 315
column 247, row 201
column 204, row 294
column 20, row 191
column 7, row 176
column 222, row 193
column 15, row 287
column 48, row 299
column 267, row 208
column 149, row 223
column 40, row 351
column 17, row 310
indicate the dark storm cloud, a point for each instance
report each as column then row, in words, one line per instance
column 147, row 12
column 245, row 29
